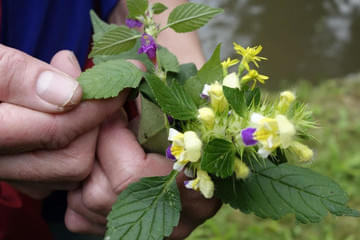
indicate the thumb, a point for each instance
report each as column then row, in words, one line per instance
column 34, row 84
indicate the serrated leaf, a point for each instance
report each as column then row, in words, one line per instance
column 148, row 209
column 274, row 191
column 185, row 72
column 188, row 17
column 107, row 79
column 152, row 134
column 159, row 8
column 167, row 61
column 236, row 99
column 194, row 87
column 218, row 158
column 146, row 92
column 115, row 41
column 211, row 71
column 173, row 101
column 136, row 7
column 100, row 27
column 130, row 54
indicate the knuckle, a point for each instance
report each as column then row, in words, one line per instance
column 95, row 200
column 78, row 168
column 12, row 63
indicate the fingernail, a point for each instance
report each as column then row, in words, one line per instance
column 58, row 89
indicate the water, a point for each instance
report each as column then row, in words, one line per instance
column 312, row 40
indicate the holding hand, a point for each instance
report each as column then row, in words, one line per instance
column 43, row 148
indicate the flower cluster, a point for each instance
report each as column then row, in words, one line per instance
column 261, row 129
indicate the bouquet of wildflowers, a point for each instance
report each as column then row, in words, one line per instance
column 213, row 124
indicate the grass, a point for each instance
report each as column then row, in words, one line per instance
column 335, row 104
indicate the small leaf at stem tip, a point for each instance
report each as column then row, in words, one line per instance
column 189, row 17
column 136, row 7
column 159, row 8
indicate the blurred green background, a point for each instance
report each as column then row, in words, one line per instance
column 313, row 40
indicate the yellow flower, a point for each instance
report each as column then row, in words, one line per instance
column 203, row 183
column 231, row 80
column 217, row 99
column 207, row 116
column 228, row 63
column 241, row 170
column 186, row 147
column 272, row 132
column 286, row 98
column 254, row 75
column 249, row 55
column 302, row 151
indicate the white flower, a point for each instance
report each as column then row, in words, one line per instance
column 231, row 81
column 202, row 183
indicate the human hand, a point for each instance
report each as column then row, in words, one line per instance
column 121, row 162
column 43, row 145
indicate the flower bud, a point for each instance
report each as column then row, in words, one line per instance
column 217, row 98
column 241, row 170
column 231, row 81
column 207, row 117
column 304, row 153
column 286, row 98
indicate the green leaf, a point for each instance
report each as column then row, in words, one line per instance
column 136, row 7
column 153, row 133
column 146, row 92
column 173, row 101
column 100, row 27
column 211, row 71
column 194, row 87
column 159, row 8
column 253, row 97
column 115, row 41
column 274, row 191
column 108, row 79
column 188, row 17
column 148, row 209
column 167, row 61
column 185, row 72
column 218, row 158
column 236, row 99
column 130, row 54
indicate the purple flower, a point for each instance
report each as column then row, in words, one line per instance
column 170, row 119
column 247, row 135
column 148, row 46
column 169, row 154
column 133, row 23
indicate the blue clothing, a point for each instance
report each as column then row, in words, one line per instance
column 43, row 27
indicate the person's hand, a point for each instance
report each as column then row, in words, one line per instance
column 43, row 145
column 121, row 161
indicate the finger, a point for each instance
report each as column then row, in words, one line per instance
column 122, row 158
column 97, row 193
column 77, row 223
column 75, row 203
column 66, row 62
column 23, row 129
column 34, row 84
column 72, row 164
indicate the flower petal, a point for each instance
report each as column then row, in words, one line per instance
column 192, row 146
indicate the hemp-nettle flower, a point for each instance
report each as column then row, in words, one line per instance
column 170, row 119
column 217, row 99
column 203, row 183
column 205, row 92
column 148, row 46
column 133, row 23
column 304, row 153
column 247, row 135
column 249, row 55
column 186, row 147
column 169, row 154
column 286, row 98
column 231, row 81
column 207, row 117
column 254, row 75
column 241, row 170
column 228, row 63
column 272, row 132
